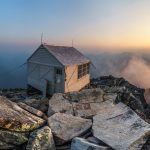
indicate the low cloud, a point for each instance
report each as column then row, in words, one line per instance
column 137, row 72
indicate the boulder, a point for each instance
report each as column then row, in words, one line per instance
column 120, row 127
column 14, row 118
column 84, row 104
column 32, row 102
column 90, row 109
column 40, row 104
column 13, row 138
column 32, row 110
column 59, row 104
column 83, row 144
column 41, row 139
column 86, row 96
column 65, row 127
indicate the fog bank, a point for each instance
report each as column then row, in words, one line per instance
column 135, row 67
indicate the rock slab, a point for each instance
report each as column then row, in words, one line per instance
column 65, row 127
column 32, row 110
column 14, row 118
column 120, row 127
column 83, row 144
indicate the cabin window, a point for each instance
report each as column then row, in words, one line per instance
column 59, row 71
column 83, row 70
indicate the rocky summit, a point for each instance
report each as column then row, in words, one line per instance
column 111, row 114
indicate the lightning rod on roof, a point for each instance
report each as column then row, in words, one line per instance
column 42, row 38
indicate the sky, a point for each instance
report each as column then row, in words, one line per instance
column 110, row 25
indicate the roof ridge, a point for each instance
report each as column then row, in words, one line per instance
column 57, row 45
column 67, row 55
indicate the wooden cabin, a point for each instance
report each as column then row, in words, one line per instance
column 57, row 69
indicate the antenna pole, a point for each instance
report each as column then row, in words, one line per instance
column 42, row 38
column 72, row 43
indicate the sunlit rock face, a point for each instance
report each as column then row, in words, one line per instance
column 14, row 118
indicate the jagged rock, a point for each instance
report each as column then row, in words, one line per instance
column 32, row 110
column 120, row 127
column 40, row 104
column 14, row 118
column 126, row 93
column 86, row 96
column 82, row 144
column 59, row 104
column 86, row 110
column 41, row 139
column 84, row 104
column 13, row 138
column 65, row 127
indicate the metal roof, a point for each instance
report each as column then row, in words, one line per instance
column 66, row 55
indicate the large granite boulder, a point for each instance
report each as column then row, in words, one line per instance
column 83, row 144
column 41, row 139
column 120, row 127
column 14, row 118
column 58, row 103
column 65, row 127
column 85, row 103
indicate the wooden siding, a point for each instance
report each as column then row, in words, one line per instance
column 72, row 83
column 38, row 74
column 41, row 71
column 44, row 57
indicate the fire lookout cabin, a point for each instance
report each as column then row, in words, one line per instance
column 57, row 69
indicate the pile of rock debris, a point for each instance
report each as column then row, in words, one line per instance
column 111, row 114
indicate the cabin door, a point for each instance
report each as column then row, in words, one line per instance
column 47, row 79
column 58, row 80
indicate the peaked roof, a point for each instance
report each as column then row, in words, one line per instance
column 66, row 55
